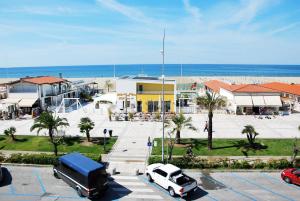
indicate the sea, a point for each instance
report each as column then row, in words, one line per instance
column 86, row 71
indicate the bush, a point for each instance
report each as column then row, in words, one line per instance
column 278, row 164
column 198, row 163
column 40, row 159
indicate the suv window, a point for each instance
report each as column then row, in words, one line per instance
column 160, row 172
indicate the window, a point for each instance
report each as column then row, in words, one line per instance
column 141, row 88
column 73, row 174
column 152, row 106
column 160, row 172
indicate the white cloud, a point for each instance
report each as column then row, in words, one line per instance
column 192, row 10
column 285, row 28
column 130, row 12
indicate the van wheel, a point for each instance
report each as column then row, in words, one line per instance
column 171, row 192
column 149, row 178
column 56, row 175
column 79, row 193
column 287, row 180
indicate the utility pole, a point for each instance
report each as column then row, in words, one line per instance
column 163, row 98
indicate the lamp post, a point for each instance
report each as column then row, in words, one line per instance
column 163, row 98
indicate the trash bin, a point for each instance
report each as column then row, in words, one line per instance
column 126, row 118
column 110, row 133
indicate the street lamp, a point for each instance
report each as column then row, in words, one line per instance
column 163, row 98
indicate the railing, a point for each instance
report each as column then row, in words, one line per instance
column 155, row 92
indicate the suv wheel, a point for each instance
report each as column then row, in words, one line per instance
column 171, row 192
column 287, row 180
column 149, row 178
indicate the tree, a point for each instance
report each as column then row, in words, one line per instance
column 108, row 85
column 10, row 132
column 85, row 126
column 51, row 123
column 251, row 134
column 211, row 101
column 177, row 123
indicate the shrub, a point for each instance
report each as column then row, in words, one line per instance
column 41, row 159
column 278, row 164
column 198, row 163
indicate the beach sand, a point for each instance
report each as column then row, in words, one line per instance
column 191, row 79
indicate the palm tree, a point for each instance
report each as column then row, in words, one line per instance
column 177, row 123
column 211, row 101
column 249, row 130
column 86, row 125
column 108, row 84
column 51, row 123
column 11, row 133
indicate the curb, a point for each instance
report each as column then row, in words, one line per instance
column 232, row 170
column 25, row 165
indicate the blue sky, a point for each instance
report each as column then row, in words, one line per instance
column 75, row 32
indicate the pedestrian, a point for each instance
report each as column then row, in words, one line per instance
column 205, row 127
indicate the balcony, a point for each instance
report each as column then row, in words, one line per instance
column 155, row 92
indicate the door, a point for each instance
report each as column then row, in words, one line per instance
column 139, row 106
column 297, row 178
column 160, row 177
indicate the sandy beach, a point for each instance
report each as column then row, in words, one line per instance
column 191, row 79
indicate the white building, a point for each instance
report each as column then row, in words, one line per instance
column 39, row 92
column 247, row 98
column 144, row 94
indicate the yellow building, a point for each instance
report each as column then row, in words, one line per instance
column 144, row 94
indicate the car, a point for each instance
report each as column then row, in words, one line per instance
column 171, row 178
column 291, row 176
column 87, row 176
column 1, row 174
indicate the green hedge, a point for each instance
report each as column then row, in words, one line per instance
column 41, row 159
column 200, row 163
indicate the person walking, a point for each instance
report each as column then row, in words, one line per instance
column 205, row 127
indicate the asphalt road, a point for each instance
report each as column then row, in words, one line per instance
column 33, row 184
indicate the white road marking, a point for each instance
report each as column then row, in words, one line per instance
column 133, row 189
column 151, row 197
column 125, row 177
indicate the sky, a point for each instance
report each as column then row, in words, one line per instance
column 88, row 32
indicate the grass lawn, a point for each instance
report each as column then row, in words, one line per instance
column 230, row 147
column 39, row 143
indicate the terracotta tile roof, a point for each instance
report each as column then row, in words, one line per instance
column 215, row 85
column 253, row 88
column 43, row 80
column 284, row 87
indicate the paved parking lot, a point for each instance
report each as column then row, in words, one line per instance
column 32, row 184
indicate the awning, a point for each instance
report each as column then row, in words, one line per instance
column 243, row 101
column 273, row 101
column 110, row 97
column 11, row 100
column 27, row 102
column 258, row 101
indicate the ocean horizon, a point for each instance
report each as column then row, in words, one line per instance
column 86, row 71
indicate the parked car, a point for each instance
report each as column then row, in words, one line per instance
column 1, row 174
column 291, row 176
column 88, row 177
column 171, row 178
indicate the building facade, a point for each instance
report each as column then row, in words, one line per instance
column 247, row 98
column 144, row 94
column 39, row 92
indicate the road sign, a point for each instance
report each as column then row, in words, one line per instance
column 149, row 144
